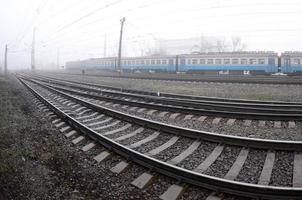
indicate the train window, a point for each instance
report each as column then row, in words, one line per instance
column 194, row 61
column 137, row 62
column 125, row 62
column 217, row 61
column 202, row 61
column 148, row 62
column 142, row 62
column 171, row 62
column 226, row 61
column 252, row 61
column 164, row 62
column 129, row 62
column 158, row 62
column 296, row 62
column 261, row 61
column 210, row 61
column 235, row 61
column 133, row 62
column 152, row 62
column 243, row 61
column 189, row 61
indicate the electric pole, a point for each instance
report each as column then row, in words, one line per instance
column 105, row 45
column 5, row 61
column 58, row 59
column 33, row 50
column 120, row 46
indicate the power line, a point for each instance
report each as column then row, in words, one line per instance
column 84, row 16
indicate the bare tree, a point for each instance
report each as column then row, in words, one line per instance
column 237, row 44
column 221, row 45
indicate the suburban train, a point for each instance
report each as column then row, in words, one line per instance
column 247, row 62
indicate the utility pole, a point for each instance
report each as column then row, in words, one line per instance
column 58, row 59
column 5, row 61
column 33, row 50
column 120, row 46
column 105, row 46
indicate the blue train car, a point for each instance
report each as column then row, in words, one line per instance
column 266, row 62
column 291, row 62
column 146, row 63
column 230, row 61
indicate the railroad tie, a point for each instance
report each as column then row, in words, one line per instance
column 87, row 116
column 143, row 180
column 291, row 124
column 108, row 104
column 173, row 192
column 65, row 129
column 247, row 122
column 84, row 111
column 70, row 133
column 174, row 115
column 188, row 117
column 100, row 122
column 92, row 119
column 141, row 110
column 185, row 153
column 75, row 105
column 115, row 105
column 79, row 109
column 119, row 167
column 87, row 147
column 297, row 175
column 164, row 146
column 231, row 122
column 210, row 159
column 237, row 165
column 78, row 139
column 107, row 126
column 125, row 107
column 162, row 114
column 261, row 123
column 58, row 125
column 102, row 156
column 202, row 118
column 277, row 124
column 267, row 169
column 65, row 102
column 150, row 112
column 71, row 103
column 216, row 120
column 123, row 137
column 49, row 113
column 118, row 130
column 133, row 108
column 213, row 196
column 145, row 140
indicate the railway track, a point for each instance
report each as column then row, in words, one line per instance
column 220, row 163
column 203, row 78
column 185, row 104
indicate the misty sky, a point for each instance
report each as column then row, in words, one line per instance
column 77, row 28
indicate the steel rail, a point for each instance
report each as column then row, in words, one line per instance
column 189, row 97
column 188, row 176
column 174, row 100
column 174, row 106
column 221, row 79
column 187, row 132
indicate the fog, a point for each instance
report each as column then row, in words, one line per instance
column 76, row 29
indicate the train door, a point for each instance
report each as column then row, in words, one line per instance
column 271, row 64
column 287, row 64
column 171, row 63
column 182, row 64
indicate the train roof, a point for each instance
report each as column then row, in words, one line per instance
column 296, row 53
